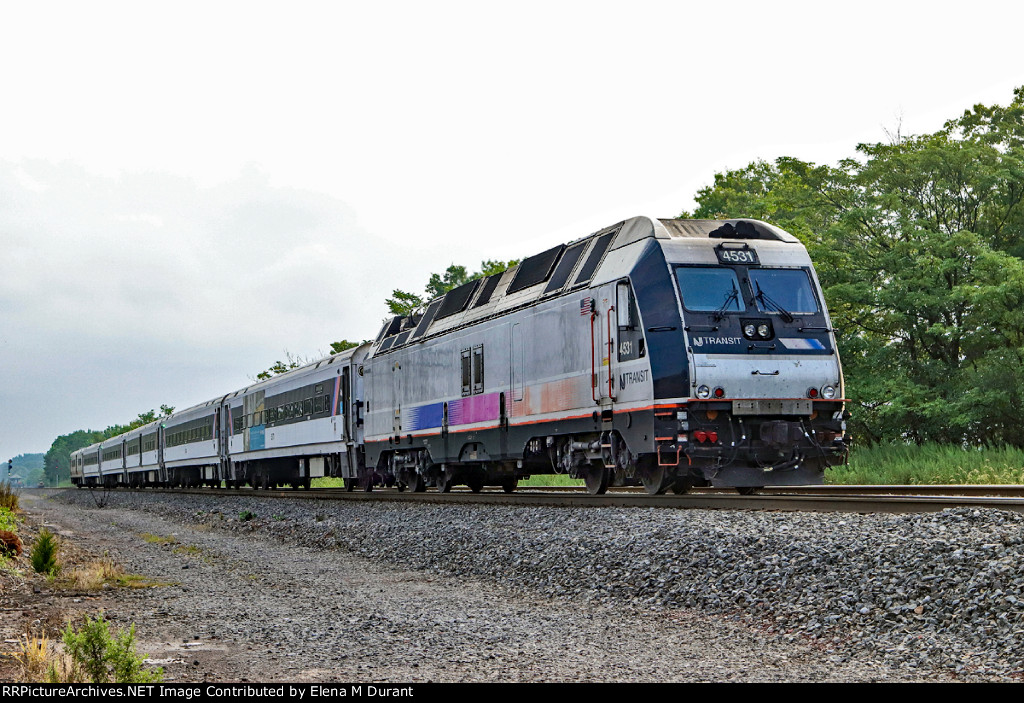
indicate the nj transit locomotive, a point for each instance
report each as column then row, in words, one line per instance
column 667, row 353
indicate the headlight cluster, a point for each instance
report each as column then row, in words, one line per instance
column 827, row 392
column 757, row 329
column 705, row 392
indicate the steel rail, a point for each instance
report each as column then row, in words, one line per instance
column 713, row 500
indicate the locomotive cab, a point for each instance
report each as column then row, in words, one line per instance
column 765, row 389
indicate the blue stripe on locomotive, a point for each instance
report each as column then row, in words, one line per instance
column 424, row 417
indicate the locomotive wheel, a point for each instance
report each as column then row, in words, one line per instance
column 656, row 480
column 350, row 484
column 509, row 484
column 416, row 482
column 597, row 479
column 368, row 483
column 475, row 483
column 444, row 483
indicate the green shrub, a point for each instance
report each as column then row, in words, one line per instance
column 97, row 656
column 7, row 520
column 44, row 553
column 245, row 516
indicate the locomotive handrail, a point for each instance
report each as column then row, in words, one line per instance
column 611, row 385
column 593, row 365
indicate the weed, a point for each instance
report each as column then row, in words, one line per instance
column 188, row 549
column 8, row 498
column 92, row 576
column 93, row 654
column 8, row 520
column 157, row 539
column 44, row 553
column 245, row 516
column 34, row 657
column 277, row 518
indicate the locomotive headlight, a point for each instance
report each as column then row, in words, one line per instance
column 763, row 331
column 703, row 392
column 828, row 392
column 748, row 330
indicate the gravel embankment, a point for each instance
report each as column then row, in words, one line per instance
column 877, row 597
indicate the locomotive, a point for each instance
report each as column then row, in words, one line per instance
column 662, row 353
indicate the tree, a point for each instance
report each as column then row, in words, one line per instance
column 404, row 303
column 338, row 347
column 917, row 243
column 279, row 367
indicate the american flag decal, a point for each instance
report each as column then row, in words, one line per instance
column 586, row 306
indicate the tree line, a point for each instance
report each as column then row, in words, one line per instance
column 57, row 461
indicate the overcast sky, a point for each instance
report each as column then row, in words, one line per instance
column 187, row 190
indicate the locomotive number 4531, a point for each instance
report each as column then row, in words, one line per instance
column 736, row 256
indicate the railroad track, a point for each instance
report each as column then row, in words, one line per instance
column 846, row 499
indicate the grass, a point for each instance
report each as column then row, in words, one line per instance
column 34, row 658
column 327, row 482
column 188, row 549
column 157, row 539
column 94, row 575
column 8, row 498
column 551, row 480
column 929, row 464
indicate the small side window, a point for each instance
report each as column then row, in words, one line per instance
column 467, row 376
column 478, row 369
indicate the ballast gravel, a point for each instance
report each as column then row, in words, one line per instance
column 339, row 590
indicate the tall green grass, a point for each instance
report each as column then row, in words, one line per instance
column 904, row 464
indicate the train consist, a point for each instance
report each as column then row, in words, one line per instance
column 667, row 353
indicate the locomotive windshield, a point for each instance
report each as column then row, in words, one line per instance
column 706, row 289
column 783, row 290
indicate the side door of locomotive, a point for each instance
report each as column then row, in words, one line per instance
column 604, row 340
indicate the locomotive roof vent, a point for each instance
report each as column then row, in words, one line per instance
column 726, row 229
column 741, row 230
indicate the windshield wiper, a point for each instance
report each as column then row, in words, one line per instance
column 731, row 298
column 768, row 302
